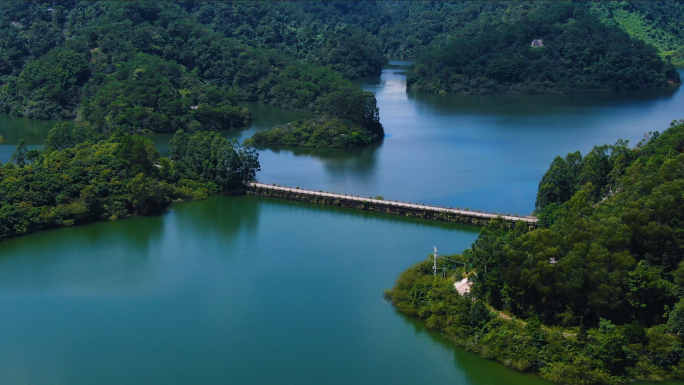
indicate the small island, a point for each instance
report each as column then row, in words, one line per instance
column 349, row 119
column 318, row 133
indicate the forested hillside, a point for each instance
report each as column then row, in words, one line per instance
column 316, row 133
column 576, row 52
column 319, row 33
column 147, row 66
column 71, row 59
column 659, row 23
column 597, row 288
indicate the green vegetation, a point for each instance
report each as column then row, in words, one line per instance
column 140, row 66
column 113, row 178
column 143, row 66
column 48, row 87
column 579, row 54
column 208, row 157
column 594, row 295
column 351, row 37
column 606, row 354
column 318, row 33
column 27, row 32
column 72, row 61
column 150, row 94
column 352, row 119
column 62, row 136
column 658, row 23
column 321, row 132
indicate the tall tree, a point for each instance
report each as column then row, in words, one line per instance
column 19, row 156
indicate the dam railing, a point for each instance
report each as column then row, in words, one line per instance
column 382, row 205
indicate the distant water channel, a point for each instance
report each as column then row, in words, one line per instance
column 250, row 290
column 481, row 152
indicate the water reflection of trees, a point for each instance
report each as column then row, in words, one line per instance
column 265, row 116
column 220, row 218
column 82, row 258
column 34, row 132
column 477, row 370
column 358, row 160
column 536, row 105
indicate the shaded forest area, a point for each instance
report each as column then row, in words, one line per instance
column 148, row 67
column 159, row 66
column 659, row 23
column 78, row 178
column 594, row 295
column 578, row 53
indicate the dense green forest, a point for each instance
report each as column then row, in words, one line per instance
column 149, row 66
column 352, row 37
column 430, row 31
column 594, row 295
column 658, row 23
column 78, row 179
column 349, row 120
column 578, row 53
column 74, row 59
column 319, row 33
column 150, row 94
column 322, row 132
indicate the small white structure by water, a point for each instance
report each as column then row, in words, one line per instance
column 537, row 43
column 463, row 286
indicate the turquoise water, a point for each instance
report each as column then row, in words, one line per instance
column 249, row 290
column 241, row 290
column 481, row 152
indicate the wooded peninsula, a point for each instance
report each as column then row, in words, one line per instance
column 163, row 66
column 592, row 296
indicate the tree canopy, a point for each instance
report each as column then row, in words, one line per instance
column 658, row 23
column 56, row 57
column 77, row 180
column 579, row 53
column 602, row 278
column 152, row 66
column 150, row 94
column 321, row 132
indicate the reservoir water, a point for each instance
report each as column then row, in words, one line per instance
column 247, row 290
column 480, row 152
column 240, row 290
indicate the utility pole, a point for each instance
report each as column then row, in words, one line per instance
column 434, row 267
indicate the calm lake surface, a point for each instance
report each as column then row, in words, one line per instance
column 241, row 290
column 480, row 152
column 248, row 290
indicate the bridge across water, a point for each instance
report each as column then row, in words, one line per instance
column 382, row 205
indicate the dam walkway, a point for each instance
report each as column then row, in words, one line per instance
column 382, row 205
